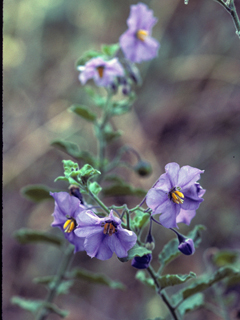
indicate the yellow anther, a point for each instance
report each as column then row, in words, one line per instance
column 69, row 225
column 142, row 34
column 100, row 70
column 177, row 197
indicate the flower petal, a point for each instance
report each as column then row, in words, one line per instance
column 187, row 176
column 185, row 216
column 96, row 245
column 122, row 241
column 172, row 170
column 169, row 211
column 155, row 198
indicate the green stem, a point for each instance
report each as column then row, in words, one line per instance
column 68, row 253
column 231, row 9
column 96, row 199
column 101, row 137
column 162, row 293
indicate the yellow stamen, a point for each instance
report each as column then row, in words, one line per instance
column 100, row 70
column 109, row 228
column 177, row 197
column 69, row 225
column 142, row 34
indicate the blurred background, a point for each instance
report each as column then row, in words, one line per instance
column 187, row 111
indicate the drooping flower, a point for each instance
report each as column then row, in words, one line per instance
column 103, row 236
column 187, row 247
column 176, row 193
column 102, row 72
column 67, row 209
column 137, row 43
column 142, row 262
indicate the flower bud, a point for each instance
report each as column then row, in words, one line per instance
column 74, row 191
column 142, row 262
column 150, row 243
column 143, row 168
column 187, row 247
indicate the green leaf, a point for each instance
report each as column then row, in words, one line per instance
column 141, row 276
column 123, row 189
column 225, row 257
column 96, row 278
column 170, row 250
column 49, row 281
column 35, row 305
column 111, row 135
column 136, row 250
column 88, row 171
column 73, row 150
column 84, row 112
column 207, row 281
column 192, row 303
column 53, row 308
column 66, row 146
column 110, row 50
column 29, row 305
column 140, row 219
column 29, row 236
column 95, row 188
column 36, row 192
column 87, row 56
column 97, row 99
column 174, row 279
column 123, row 106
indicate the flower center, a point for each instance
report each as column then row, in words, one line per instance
column 176, row 196
column 110, row 227
column 142, row 34
column 100, row 70
column 69, row 225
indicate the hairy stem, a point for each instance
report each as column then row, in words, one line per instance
column 231, row 9
column 162, row 293
column 68, row 253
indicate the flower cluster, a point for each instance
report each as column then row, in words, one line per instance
column 136, row 44
column 99, row 237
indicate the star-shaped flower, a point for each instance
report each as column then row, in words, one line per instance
column 103, row 236
column 102, row 72
column 137, row 43
column 176, row 195
column 67, row 209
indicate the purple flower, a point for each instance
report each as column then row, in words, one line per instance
column 187, row 247
column 137, row 43
column 101, row 71
column 103, row 236
column 176, row 193
column 142, row 262
column 67, row 209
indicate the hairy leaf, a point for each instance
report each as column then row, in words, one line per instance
column 36, row 192
column 141, row 276
column 225, row 257
column 170, row 250
column 110, row 49
column 29, row 236
column 192, row 303
column 87, row 56
column 174, row 279
column 66, row 146
column 83, row 112
column 95, row 188
column 97, row 278
column 26, row 304
column 137, row 250
column 140, row 219
column 207, row 281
